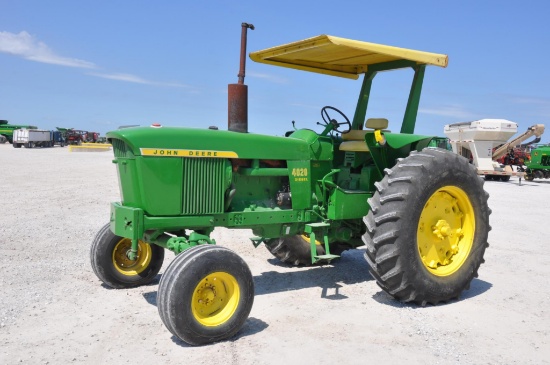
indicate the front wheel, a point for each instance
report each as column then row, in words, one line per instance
column 109, row 260
column 427, row 228
column 205, row 295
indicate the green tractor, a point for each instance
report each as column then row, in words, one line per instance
column 6, row 129
column 538, row 165
column 420, row 211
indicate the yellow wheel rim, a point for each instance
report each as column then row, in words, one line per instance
column 124, row 265
column 215, row 299
column 446, row 230
column 308, row 240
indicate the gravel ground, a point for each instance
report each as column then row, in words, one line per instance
column 53, row 310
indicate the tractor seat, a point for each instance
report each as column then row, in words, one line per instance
column 354, row 140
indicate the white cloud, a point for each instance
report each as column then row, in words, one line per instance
column 529, row 100
column 135, row 79
column 307, row 106
column 268, row 77
column 455, row 111
column 28, row 47
column 122, row 77
column 532, row 106
column 25, row 45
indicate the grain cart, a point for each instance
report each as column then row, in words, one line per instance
column 421, row 212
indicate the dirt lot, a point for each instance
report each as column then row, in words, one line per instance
column 53, row 310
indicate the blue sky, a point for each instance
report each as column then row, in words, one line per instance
column 96, row 65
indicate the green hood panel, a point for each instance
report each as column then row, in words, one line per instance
column 243, row 145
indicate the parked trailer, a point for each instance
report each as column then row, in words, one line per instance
column 36, row 138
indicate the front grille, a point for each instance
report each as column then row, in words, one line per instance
column 203, row 186
column 121, row 149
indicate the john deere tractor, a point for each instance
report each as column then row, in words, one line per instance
column 538, row 165
column 421, row 212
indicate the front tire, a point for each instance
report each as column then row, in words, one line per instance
column 205, row 295
column 427, row 228
column 112, row 266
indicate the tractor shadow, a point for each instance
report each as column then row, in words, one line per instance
column 250, row 327
column 351, row 268
column 477, row 287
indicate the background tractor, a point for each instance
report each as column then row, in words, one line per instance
column 421, row 212
column 75, row 136
column 538, row 164
column 6, row 129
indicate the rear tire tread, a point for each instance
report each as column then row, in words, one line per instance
column 391, row 226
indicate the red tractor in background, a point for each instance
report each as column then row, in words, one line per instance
column 77, row 137
column 515, row 156
column 513, row 153
column 92, row 137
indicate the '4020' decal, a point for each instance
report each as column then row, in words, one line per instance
column 300, row 174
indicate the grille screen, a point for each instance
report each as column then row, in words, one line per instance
column 120, row 149
column 203, row 186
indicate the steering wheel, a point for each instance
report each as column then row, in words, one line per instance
column 335, row 125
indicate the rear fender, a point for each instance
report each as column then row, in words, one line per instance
column 393, row 147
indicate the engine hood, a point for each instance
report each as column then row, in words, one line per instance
column 181, row 142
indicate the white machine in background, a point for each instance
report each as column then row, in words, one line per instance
column 477, row 141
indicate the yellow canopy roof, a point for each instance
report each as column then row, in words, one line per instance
column 340, row 56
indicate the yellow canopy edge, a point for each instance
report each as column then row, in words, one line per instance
column 340, row 56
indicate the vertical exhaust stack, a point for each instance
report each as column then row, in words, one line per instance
column 237, row 120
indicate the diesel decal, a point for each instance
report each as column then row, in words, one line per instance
column 161, row 152
column 300, row 174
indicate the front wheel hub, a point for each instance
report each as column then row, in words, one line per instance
column 122, row 257
column 215, row 299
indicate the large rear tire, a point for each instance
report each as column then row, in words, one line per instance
column 427, row 228
column 112, row 266
column 205, row 295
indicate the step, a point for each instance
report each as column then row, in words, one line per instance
column 256, row 241
column 326, row 257
column 318, row 225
